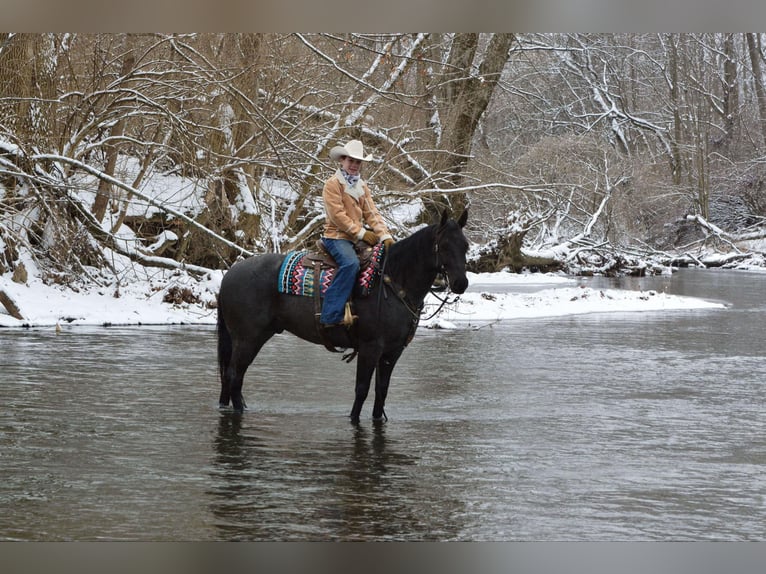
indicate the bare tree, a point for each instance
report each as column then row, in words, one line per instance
column 466, row 86
column 27, row 85
column 589, row 142
column 116, row 108
column 756, row 57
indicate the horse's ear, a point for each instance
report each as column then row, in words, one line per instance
column 463, row 218
column 445, row 217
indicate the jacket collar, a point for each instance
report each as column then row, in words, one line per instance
column 356, row 192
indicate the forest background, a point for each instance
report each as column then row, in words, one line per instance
column 585, row 153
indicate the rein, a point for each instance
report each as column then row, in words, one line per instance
column 401, row 294
column 443, row 303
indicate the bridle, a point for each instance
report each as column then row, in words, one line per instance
column 401, row 294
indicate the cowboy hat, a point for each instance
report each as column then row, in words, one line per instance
column 352, row 149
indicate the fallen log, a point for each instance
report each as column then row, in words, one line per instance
column 10, row 305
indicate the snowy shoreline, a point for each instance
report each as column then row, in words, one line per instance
column 490, row 298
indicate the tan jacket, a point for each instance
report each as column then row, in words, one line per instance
column 348, row 208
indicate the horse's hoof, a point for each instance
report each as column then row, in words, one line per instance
column 382, row 417
column 239, row 406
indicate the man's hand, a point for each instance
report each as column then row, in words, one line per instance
column 370, row 237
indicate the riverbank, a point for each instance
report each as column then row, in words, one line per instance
column 175, row 298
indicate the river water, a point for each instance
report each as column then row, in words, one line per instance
column 629, row 426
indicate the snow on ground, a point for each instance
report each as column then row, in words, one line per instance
column 491, row 297
column 139, row 303
column 556, row 296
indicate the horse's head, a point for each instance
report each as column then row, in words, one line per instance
column 451, row 248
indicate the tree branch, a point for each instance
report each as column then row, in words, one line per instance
column 137, row 193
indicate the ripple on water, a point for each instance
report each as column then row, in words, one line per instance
column 575, row 428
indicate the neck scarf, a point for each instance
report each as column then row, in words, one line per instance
column 350, row 179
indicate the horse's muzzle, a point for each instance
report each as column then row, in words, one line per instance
column 459, row 285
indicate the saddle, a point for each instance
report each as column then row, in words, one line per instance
column 326, row 261
column 309, row 273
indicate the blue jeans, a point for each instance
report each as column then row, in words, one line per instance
column 342, row 284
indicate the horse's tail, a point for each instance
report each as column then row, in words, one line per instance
column 224, row 343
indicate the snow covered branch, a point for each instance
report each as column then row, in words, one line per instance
column 152, row 201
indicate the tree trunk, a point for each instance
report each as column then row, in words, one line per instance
column 508, row 254
column 27, row 87
column 675, row 102
column 754, row 48
column 111, row 149
column 730, row 91
column 465, row 98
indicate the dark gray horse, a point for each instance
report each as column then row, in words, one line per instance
column 251, row 310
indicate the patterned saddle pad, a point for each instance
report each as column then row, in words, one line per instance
column 297, row 275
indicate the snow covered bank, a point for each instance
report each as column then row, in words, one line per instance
column 172, row 297
column 482, row 305
column 132, row 303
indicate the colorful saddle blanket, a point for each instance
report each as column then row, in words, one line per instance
column 297, row 276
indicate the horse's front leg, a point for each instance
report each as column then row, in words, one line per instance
column 383, row 372
column 225, row 396
column 365, row 366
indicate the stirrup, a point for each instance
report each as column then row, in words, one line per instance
column 348, row 317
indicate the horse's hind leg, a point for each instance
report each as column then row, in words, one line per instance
column 242, row 356
column 224, row 362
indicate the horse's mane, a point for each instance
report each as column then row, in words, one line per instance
column 407, row 254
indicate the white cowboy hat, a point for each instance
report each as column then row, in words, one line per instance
column 353, row 149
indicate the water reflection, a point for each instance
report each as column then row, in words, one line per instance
column 279, row 479
column 229, row 443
